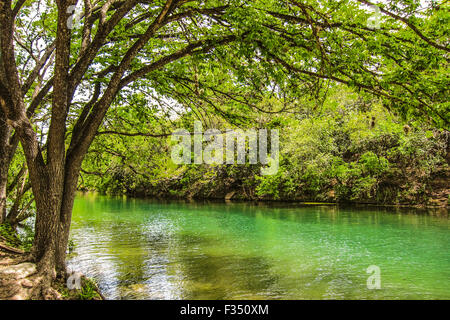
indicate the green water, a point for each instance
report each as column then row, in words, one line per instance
column 140, row 249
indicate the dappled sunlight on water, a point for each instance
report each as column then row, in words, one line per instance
column 142, row 249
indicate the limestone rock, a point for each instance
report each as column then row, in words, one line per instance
column 229, row 195
column 26, row 283
column 18, row 271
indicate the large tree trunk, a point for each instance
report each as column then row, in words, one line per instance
column 53, row 221
column 56, row 153
column 46, row 218
column 47, row 177
column 65, row 219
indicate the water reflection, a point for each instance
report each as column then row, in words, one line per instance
column 139, row 249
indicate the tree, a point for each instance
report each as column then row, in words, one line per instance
column 54, row 174
column 129, row 46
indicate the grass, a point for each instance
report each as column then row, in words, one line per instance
column 12, row 239
column 88, row 291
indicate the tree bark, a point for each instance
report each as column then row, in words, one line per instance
column 71, row 180
column 5, row 159
column 15, row 215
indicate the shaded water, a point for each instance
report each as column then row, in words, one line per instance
column 140, row 249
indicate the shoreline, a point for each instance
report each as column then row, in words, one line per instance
column 276, row 201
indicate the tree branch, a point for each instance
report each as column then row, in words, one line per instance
column 409, row 24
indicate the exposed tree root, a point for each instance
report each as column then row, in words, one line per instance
column 23, row 279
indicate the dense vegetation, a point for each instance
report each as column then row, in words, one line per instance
column 361, row 104
column 347, row 149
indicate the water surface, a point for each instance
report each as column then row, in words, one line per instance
column 143, row 249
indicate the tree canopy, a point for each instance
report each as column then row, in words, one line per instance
column 68, row 75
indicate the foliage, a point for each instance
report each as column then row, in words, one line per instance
column 71, row 246
column 352, row 149
column 22, row 241
column 89, row 290
column 7, row 232
column 132, row 71
column 19, row 194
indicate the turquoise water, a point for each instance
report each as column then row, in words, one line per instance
column 142, row 249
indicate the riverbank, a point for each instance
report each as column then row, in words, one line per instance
column 437, row 199
column 444, row 208
column 20, row 279
column 405, row 187
column 330, row 158
column 400, row 186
